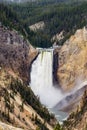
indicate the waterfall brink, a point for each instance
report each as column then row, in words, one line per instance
column 42, row 79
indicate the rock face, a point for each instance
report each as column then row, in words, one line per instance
column 3, row 126
column 55, row 64
column 16, row 53
column 38, row 26
column 73, row 60
column 58, row 37
column 71, row 101
column 78, row 119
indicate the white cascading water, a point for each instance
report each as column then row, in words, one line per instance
column 42, row 84
column 42, row 79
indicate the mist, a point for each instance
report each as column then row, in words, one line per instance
column 50, row 97
column 73, row 96
column 42, row 82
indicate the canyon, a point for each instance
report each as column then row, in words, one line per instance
column 43, row 88
column 67, row 63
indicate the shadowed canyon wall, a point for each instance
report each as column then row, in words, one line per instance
column 16, row 53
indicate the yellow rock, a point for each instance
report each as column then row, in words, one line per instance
column 73, row 60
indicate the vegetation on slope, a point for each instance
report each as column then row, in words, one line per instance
column 10, row 19
column 28, row 96
column 57, row 17
column 18, row 102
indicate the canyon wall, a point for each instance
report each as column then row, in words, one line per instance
column 72, row 59
column 16, row 53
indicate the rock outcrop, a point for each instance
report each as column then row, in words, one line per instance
column 55, row 64
column 37, row 26
column 72, row 68
column 58, row 37
column 16, row 53
column 78, row 119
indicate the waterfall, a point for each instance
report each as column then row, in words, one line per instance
column 42, row 79
column 42, row 86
